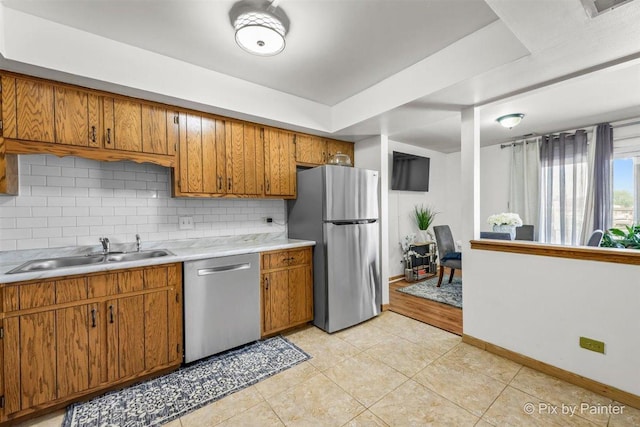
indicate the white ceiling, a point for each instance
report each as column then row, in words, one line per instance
column 356, row 68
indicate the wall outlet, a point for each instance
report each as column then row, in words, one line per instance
column 591, row 344
column 185, row 223
column 268, row 220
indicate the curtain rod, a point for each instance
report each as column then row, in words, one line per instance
column 535, row 135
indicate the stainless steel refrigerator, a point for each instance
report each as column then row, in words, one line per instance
column 337, row 207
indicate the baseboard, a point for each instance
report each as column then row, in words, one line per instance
column 396, row 278
column 575, row 379
column 385, row 307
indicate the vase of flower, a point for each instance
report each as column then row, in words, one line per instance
column 505, row 223
column 504, row 228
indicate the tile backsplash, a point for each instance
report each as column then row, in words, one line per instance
column 72, row 201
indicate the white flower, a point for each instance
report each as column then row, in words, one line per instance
column 407, row 241
column 505, row 219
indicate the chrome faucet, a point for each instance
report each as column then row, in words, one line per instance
column 105, row 244
column 138, row 242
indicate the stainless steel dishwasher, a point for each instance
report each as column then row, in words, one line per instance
column 221, row 304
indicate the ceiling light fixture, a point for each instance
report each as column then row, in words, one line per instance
column 510, row 120
column 260, row 27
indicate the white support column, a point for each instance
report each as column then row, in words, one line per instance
column 470, row 164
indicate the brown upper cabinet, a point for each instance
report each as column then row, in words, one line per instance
column 280, row 163
column 219, row 157
column 335, row 146
column 201, row 157
column 210, row 155
column 139, row 127
column 42, row 112
column 313, row 150
column 86, row 123
column 245, row 160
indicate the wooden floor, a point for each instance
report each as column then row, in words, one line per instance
column 434, row 313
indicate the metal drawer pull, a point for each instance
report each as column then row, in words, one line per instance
column 224, row 268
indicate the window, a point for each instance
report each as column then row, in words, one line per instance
column 626, row 176
column 624, row 209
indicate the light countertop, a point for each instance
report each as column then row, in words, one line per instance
column 184, row 250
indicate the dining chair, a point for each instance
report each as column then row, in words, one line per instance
column 447, row 253
column 595, row 238
column 495, row 235
column 524, row 232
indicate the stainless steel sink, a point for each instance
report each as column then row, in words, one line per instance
column 136, row 256
column 80, row 260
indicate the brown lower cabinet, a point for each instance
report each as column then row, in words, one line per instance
column 68, row 337
column 287, row 289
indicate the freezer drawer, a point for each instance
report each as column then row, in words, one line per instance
column 353, row 292
column 221, row 304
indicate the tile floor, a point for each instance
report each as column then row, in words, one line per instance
column 396, row 371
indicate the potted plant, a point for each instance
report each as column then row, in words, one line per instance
column 616, row 238
column 424, row 217
column 505, row 222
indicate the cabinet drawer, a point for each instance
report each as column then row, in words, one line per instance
column 37, row 295
column 286, row 258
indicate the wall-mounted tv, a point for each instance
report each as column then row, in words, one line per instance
column 410, row 172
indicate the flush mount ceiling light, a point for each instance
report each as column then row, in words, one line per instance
column 510, row 120
column 260, row 27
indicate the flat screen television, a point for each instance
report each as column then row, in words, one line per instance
column 410, row 172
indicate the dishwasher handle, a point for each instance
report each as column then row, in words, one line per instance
column 223, row 269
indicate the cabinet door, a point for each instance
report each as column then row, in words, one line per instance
column 130, row 321
column 311, row 150
column 235, row 158
column 202, row 155
column 11, row 365
column 123, row 124
column 174, row 276
column 76, row 117
column 300, row 295
column 275, row 300
column 245, row 159
column 156, row 329
column 72, row 345
column 334, row 146
column 30, row 360
column 154, row 129
column 34, row 117
column 280, row 166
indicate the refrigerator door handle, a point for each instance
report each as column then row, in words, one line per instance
column 358, row 221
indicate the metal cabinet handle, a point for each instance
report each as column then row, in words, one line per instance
column 93, row 317
column 93, row 134
column 108, row 136
column 266, row 283
column 110, row 314
column 224, row 268
column 267, row 186
column 229, row 183
column 219, row 182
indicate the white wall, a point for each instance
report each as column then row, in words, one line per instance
column 444, row 184
column 72, row 201
column 494, row 182
column 540, row 306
